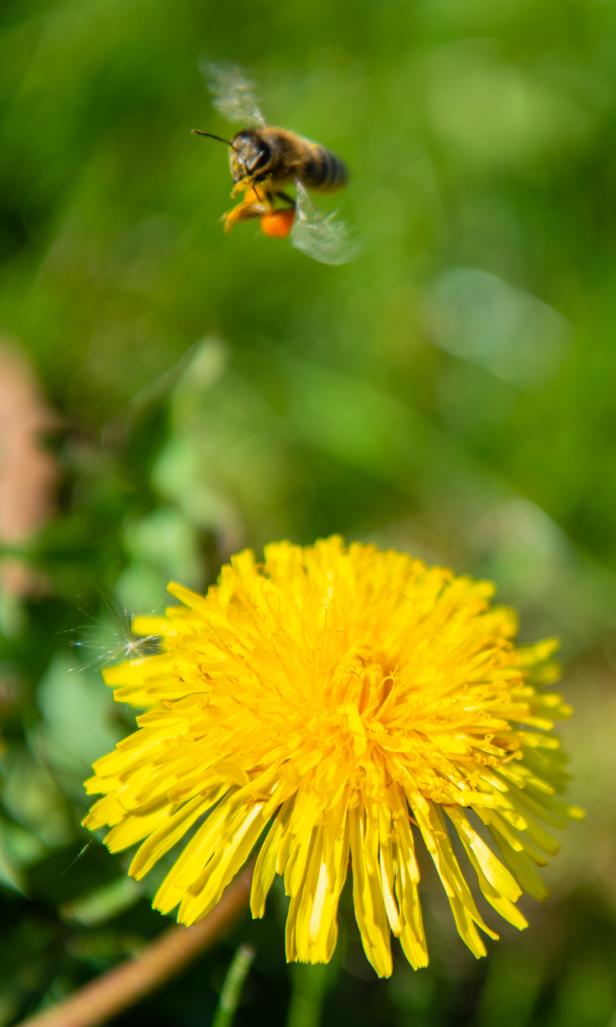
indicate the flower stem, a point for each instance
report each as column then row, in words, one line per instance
column 310, row 985
column 126, row 984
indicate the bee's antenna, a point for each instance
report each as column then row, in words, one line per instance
column 210, row 135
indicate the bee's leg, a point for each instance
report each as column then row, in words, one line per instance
column 244, row 185
column 254, row 186
column 287, row 199
column 248, row 208
column 263, row 195
column 253, row 205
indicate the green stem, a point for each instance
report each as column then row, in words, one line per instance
column 310, row 985
column 232, row 987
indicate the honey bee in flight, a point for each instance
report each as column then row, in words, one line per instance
column 264, row 160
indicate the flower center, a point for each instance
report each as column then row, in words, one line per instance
column 363, row 678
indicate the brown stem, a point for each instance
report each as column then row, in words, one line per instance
column 125, row 984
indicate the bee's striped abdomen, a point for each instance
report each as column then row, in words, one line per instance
column 323, row 170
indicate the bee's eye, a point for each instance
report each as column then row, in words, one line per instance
column 257, row 157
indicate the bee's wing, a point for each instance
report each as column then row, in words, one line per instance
column 324, row 237
column 233, row 94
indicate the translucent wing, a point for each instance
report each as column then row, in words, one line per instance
column 233, row 94
column 324, row 237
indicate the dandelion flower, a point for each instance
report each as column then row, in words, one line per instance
column 347, row 710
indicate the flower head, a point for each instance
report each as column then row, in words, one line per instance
column 345, row 707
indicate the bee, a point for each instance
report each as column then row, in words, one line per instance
column 264, row 160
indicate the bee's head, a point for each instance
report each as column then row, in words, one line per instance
column 249, row 154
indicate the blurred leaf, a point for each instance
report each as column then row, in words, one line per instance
column 102, row 904
column 481, row 318
column 493, row 114
column 167, row 541
column 76, row 708
column 9, row 872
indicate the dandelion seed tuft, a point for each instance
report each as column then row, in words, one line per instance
column 345, row 711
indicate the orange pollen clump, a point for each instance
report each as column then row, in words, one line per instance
column 277, row 223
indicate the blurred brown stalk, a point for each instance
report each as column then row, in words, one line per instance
column 28, row 473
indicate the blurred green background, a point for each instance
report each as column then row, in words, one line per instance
column 451, row 392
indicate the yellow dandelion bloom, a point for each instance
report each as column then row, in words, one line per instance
column 339, row 706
